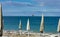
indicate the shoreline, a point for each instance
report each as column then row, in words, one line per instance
column 25, row 34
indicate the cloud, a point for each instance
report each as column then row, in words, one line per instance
column 49, row 3
column 42, row 4
column 53, row 10
column 47, row 0
column 28, row 8
column 14, row 3
column 38, row 3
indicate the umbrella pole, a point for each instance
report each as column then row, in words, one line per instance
column 58, row 34
column 20, row 32
column 28, row 33
column 43, row 35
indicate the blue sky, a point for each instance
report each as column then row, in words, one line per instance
column 29, row 7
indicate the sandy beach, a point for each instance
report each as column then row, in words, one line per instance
column 25, row 34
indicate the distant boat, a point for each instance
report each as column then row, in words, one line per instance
column 42, row 24
column 58, row 29
column 32, row 14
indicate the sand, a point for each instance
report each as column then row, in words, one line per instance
column 25, row 34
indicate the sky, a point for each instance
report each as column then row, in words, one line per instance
column 30, row 7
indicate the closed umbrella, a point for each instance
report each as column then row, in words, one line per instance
column 42, row 24
column 58, row 28
column 28, row 27
column 1, row 22
column 20, row 27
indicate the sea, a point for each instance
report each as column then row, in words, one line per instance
column 12, row 23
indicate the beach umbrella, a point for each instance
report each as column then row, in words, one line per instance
column 28, row 27
column 20, row 27
column 1, row 22
column 42, row 24
column 58, row 29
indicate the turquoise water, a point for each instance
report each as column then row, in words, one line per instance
column 12, row 23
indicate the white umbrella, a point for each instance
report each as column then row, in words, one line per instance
column 42, row 24
column 58, row 29
column 28, row 27
column 0, row 16
column 20, row 27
